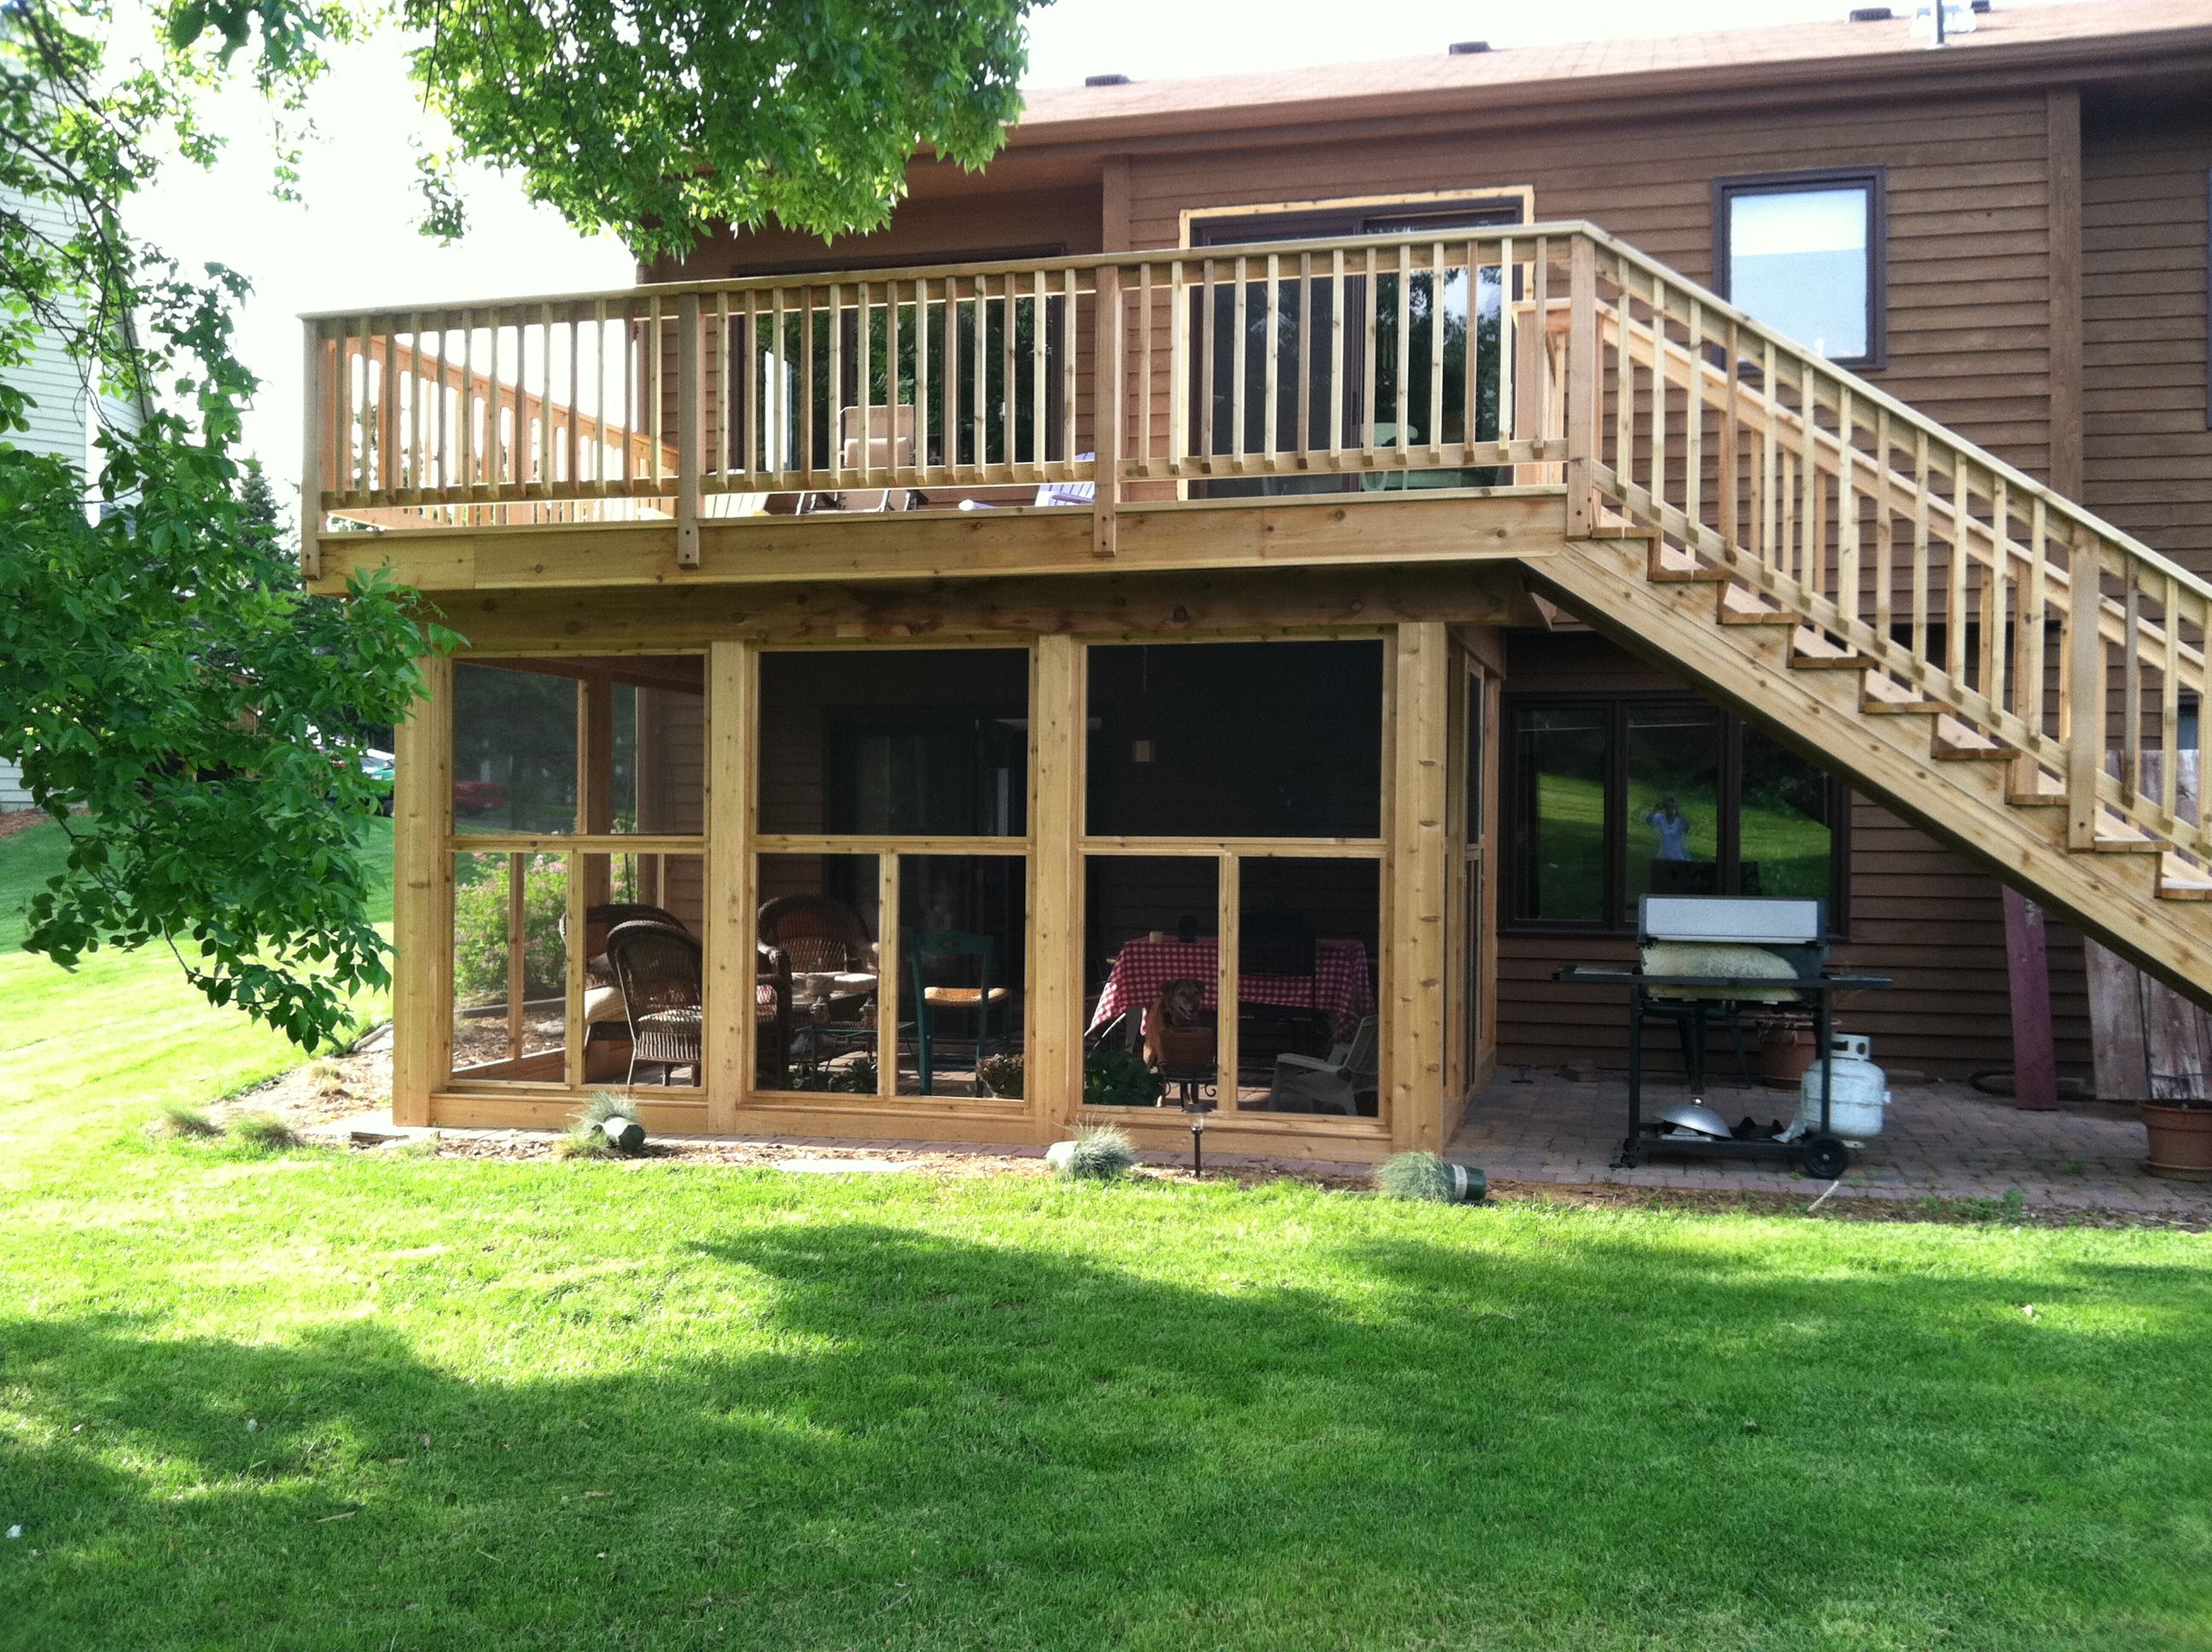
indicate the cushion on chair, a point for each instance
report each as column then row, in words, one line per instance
column 604, row 1004
column 957, row 996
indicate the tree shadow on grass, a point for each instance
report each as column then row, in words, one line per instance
column 908, row 1439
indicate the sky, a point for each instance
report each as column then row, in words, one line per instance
column 351, row 241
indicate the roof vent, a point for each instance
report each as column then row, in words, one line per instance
column 1467, row 48
column 1105, row 80
column 1872, row 15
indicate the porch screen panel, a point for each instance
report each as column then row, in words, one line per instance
column 510, row 967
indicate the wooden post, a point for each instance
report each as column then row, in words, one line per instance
column 730, row 1015
column 687, row 429
column 2034, row 1055
column 310, row 455
column 1106, row 411
column 1054, row 1071
column 2085, row 734
column 1582, row 386
column 421, row 887
column 1416, row 845
column 595, row 777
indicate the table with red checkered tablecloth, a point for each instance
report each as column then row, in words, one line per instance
column 1338, row 989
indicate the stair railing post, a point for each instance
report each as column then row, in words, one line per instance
column 1106, row 409
column 2085, row 750
column 1581, row 387
column 687, row 430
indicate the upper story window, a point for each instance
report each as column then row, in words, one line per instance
column 1803, row 253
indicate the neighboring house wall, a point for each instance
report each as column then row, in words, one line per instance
column 12, row 794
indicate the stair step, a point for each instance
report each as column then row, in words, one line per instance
column 1738, row 606
column 1667, row 566
column 1882, row 697
column 1954, row 742
column 2119, row 838
column 2183, row 880
column 1809, row 651
column 2047, row 792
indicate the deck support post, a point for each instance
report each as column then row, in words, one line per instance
column 1416, row 842
column 1054, row 1067
column 1106, row 412
column 1582, row 404
column 730, row 1013
column 422, row 889
column 687, row 430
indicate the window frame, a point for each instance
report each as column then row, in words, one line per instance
column 1875, row 180
column 1621, row 921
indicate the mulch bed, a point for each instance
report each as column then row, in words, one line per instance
column 20, row 820
column 322, row 1094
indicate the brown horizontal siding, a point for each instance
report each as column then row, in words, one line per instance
column 2147, row 454
column 1918, row 912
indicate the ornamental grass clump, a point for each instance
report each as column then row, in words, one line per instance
column 1101, row 1153
column 607, row 1125
column 179, row 1121
column 1428, row 1178
column 264, row 1133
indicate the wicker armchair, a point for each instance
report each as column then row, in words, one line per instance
column 660, row 971
column 817, row 932
column 599, row 922
column 772, row 1015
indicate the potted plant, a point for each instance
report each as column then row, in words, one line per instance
column 1115, row 1077
column 2181, row 1138
column 1001, row 1076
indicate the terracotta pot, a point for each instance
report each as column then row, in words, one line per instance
column 2180, row 1141
column 1785, row 1051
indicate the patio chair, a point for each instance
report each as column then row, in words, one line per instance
column 933, row 998
column 660, row 971
column 1309, row 1084
column 772, row 1015
column 1277, row 947
column 818, row 933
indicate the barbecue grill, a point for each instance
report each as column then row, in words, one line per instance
column 1699, row 952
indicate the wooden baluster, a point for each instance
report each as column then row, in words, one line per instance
column 1885, row 546
column 920, row 457
column 496, row 445
column 752, row 448
column 1656, row 476
column 2132, row 685
column 1178, row 366
column 1302, row 359
column 1143, row 376
column 416, row 458
column 1508, row 278
column 1405, row 359
column 1544, row 389
column 1955, row 601
column 1624, row 385
column 1921, row 486
column 546, row 401
column 1237, row 366
column 1068, row 298
column 1437, row 353
column 1729, row 480
column 387, row 413
column 1769, row 395
column 1847, row 509
column 1337, row 388
column 2029, row 691
column 891, row 372
column 950, row 392
column 657, row 401
column 1206, row 391
column 1367, row 419
column 467, row 409
column 1811, row 547
column 1039, row 336
column 1693, row 420
column 806, row 387
column 1108, row 376
column 1270, row 437
column 1995, row 578
column 1471, row 356
column 1789, row 566
column 2169, row 699
column 1010, row 398
column 2085, row 746
column 688, row 430
column 834, row 433
column 980, row 418
column 442, row 416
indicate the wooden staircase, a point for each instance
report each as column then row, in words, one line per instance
column 1988, row 658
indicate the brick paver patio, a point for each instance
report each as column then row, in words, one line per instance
column 1940, row 1141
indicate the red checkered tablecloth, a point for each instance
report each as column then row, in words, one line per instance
column 1339, row 988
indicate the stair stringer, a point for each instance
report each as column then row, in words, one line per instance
column 2109, row 896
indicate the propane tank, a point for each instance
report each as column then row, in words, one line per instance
column 1859, row 1091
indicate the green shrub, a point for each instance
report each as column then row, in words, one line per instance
column 1099, row 1153
column 1115, row 1077
column 589, row 1139
column 1001, row 1076
column 480, row 929
column 855, row 1077
column 264, row 1133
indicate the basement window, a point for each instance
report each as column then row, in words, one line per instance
column 1803, row 253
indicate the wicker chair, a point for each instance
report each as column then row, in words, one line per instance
column 772, row 1012
column 817, row 932
column 599, row 922
column 660, row 971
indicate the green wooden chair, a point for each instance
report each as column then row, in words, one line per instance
column 931, row 998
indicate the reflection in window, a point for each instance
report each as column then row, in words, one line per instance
column 1616, row 798
column 1799, row 259
column 1560, row 760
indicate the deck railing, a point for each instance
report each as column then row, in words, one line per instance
column 1548, row 354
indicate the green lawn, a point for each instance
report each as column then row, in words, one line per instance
column 345, row 1401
